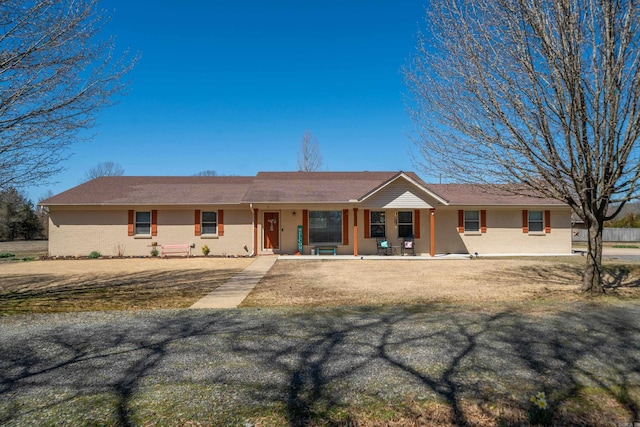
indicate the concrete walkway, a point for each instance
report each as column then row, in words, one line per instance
column 236, row 289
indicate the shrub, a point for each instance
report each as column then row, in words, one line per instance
column 94, row 255
column 154, row 252
column 205, row 250
column 6, row 255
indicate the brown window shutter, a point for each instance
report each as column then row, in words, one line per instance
column 367, row 224
column 525, row 221
column 220, row 222
column 345, row 226
column 130, row 223
column 196, row 223
column 460, row 221
column 305, row 227
column 416, row 223
column 483, row 221
column 547, row 221
column 154, row 223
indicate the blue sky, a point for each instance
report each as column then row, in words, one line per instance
column 233, row 85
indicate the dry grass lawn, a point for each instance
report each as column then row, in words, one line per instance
column 475, row 282
column 151, row 283
column 111, row 284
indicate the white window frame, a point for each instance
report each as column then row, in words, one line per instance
column 535, row 221
column 468, row 220
column 203, row 222
column 137, row 223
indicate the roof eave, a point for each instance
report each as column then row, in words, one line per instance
column 294, row 202
column 511, row 205
column 140, row 204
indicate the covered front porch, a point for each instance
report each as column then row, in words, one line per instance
column 335, row 230
column 378, row 257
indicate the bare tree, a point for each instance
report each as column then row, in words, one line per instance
column 104, row 169
column 208, row 172
column 544, row 94
column 56, row 73
column 309, row 156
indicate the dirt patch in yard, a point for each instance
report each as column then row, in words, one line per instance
column 477, row 282
column 111, row 284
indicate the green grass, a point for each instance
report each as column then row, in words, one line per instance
column 22, row 251
column 164, row 404
column 625, row 246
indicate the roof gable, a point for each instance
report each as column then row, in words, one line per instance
column 404, row 190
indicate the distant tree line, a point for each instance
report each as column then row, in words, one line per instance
column 630, row 220
column 19, row 218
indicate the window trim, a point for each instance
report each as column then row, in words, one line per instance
column 541, row 221
column 202, row 223
column 478, row 221
column 136, row 222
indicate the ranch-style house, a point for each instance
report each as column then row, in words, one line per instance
column 343, row 213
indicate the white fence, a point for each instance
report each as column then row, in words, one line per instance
column 611, row 235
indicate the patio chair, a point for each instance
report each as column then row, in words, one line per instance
column 383, row 246
column 408, row 245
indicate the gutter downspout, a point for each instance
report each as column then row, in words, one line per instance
column 253, row 232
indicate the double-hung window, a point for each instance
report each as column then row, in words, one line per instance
column 405, row 224
column 143, row 223
column 209, row 223
column 536, row 222
column 325, row 227
column 471, row 221
column 378, row 223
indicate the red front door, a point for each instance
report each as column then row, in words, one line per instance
column 271, row 227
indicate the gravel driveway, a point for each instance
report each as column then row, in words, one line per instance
column 219, row 367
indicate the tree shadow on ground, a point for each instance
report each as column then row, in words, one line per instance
column 321, row 363
column 614, row 276
column 620, row 276
column 149, row 289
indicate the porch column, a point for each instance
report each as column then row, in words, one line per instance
column 355, row 231
column 255, row 232
column 432, row 233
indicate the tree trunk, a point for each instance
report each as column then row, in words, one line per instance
column 592, row 279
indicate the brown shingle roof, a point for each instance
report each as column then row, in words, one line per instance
column 155, row 190
column 310, row 187
column 270, row 187
column 472, row 194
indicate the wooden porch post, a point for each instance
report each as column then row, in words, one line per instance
column 432, row 234
column 355, row 231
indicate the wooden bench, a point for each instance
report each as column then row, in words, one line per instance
column 182, row 249
column 329, row 250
